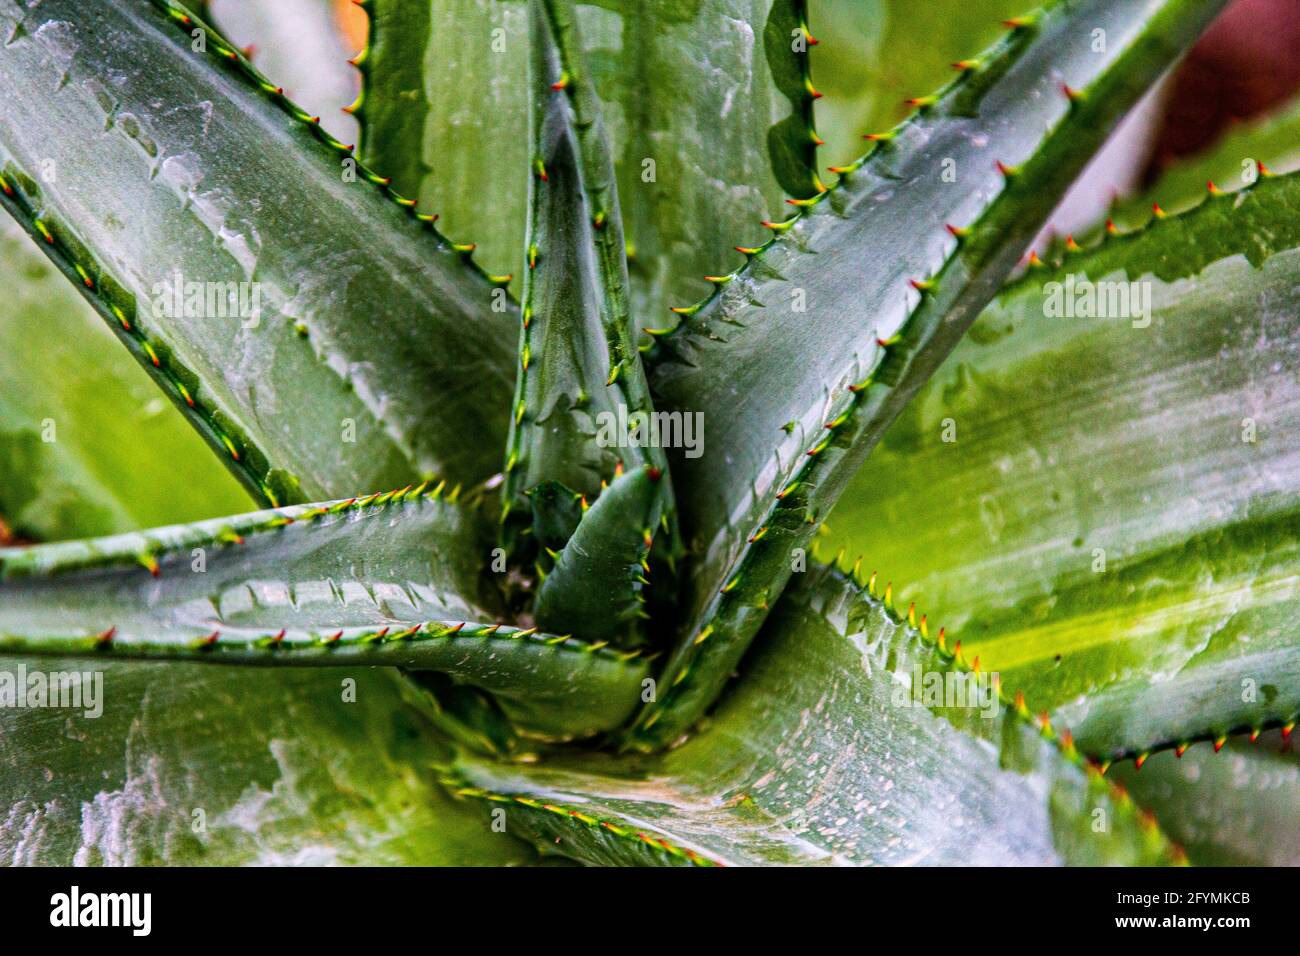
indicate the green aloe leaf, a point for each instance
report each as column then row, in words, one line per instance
column 355, row 322
column 700, row 161
column 189, row 765
column 822, row 755
column 87, row 445
column 1238, row 805
column 595, row 588
column 1120, row 543
column 444, row 113
column 580, row 373
column 803, row 357
column 391, row 579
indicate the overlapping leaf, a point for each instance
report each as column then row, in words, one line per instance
column 392, row 579
column 700, row 159
column 190, row 765
column 1119, row 539
column 800, row 360
column 580, row 375
column 825, row 754
column 336, row 344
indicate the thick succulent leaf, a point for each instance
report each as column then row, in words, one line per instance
column 803, row 358
column 580, row 374
column 821, row 755
column 1119, row 542
column 1239, row 806
column 392, row 579
column 364, row 350
column 700, row 159
column 707, row 155
column 191, row 765
column 595, row 588
column 444, row 113
column 87, row 446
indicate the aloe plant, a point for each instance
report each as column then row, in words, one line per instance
column 540, row 566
